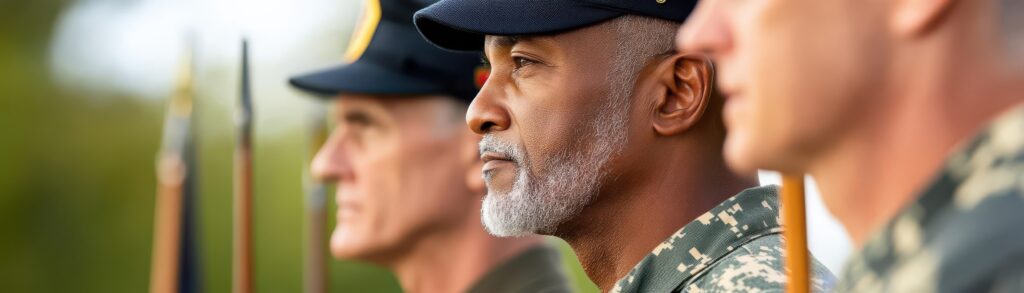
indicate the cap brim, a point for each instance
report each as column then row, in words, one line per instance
column 460, row 25
column 363, row 77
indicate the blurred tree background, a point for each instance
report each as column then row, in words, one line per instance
column 77, row 180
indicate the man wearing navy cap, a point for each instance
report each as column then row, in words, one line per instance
column 406, row 168
column 597, row 131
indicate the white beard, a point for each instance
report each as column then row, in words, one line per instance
column 539, row 203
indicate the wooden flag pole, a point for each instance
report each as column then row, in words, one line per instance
column 171, row 171
column 242, row 266
column 316, row 210
column 795, row 231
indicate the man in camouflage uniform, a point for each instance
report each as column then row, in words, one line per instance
column 597, row 131
column 910, row 115
column 963, row 232
column 734, row 247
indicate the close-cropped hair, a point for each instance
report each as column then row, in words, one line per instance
column 638, row 39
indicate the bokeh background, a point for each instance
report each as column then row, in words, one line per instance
column 83, row 90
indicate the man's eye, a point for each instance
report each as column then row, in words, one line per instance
column 521, row 62
column 357, row 119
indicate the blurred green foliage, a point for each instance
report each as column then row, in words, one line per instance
column 77, row 184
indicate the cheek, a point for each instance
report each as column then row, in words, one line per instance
column 376, row 189
column 553, row 116
column 540, row 121
column 545, row 137
column 803, row 78
column 769, row 65
column 433, row 183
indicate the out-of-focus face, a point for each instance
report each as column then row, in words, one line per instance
column 550, row 128
column 798, row 74
column 400, row 166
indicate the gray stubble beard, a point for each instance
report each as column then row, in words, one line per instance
column 539, row 203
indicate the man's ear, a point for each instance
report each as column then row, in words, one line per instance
column 471, row 159
column 686, row 80
column 915, row 17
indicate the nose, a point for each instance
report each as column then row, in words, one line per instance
column 706, row 30
column 332, row 162
column 487, row 113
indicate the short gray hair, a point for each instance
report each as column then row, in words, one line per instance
column 638, row 39
column 451, row 116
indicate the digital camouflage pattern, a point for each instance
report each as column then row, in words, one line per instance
column 965, row 233
column 735, row 247
column 536, row 270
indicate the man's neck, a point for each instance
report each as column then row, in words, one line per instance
column 624, row 224
column 883, row 166
column 455, row 260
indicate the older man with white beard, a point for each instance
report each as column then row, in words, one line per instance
column 408, row 193
column 597, row 131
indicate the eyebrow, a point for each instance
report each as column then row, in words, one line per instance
column 357, row 116
column 499, row 41
column 506, row 41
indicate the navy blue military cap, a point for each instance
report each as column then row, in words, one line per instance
column 387, row 56
column 460, row 25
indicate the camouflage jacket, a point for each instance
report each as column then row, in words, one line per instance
column 735, row 247
column 965, row 233
column 536, row 270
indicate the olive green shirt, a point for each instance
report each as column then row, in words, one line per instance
column 735, row 247
column 964, row 233
column 536, row 270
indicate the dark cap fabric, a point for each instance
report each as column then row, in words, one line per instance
column 460, row 25
column 397, row 61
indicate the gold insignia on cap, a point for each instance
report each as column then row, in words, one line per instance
column 364, row 30
column 660, row 1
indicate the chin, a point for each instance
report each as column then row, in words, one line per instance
column 344, row 245
column 340, row 250
column 739, row 156
column 367, row 248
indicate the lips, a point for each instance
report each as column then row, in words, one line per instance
column 494, row 160
column 347, row 209
column 726, row 87
column 731, row 91
column 347, row 205
column 733, row 110
column 491, row 156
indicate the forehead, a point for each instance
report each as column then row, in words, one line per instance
column 394, row 107
column 345, row 103
column 589, row 40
